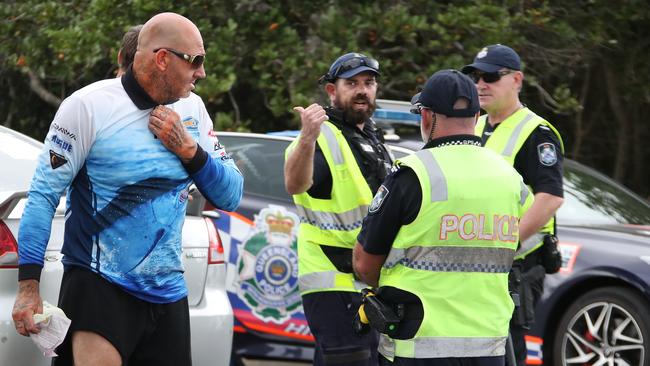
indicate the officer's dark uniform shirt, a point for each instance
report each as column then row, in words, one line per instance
column 540, row 174
column 367, row 147
column 401, row 205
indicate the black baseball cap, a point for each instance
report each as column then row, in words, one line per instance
column 350, row 65
column 494, row 58
column 443, row 89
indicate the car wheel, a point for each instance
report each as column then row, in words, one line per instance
column 605, row 326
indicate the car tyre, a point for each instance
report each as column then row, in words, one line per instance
column 609, row 325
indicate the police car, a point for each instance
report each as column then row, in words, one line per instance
column 594, row 311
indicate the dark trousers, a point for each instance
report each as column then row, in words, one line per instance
column 330, row 316
column 449, row 361
column 518, row 332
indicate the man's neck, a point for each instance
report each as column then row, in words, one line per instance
column 499, row 115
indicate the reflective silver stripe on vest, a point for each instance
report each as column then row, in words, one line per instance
column 332, row 143
column 437, row 347
column 323, row 280
column 510, row 146
column 349, row 220
column 530, row 244
column 436, row 177
column 452, row 259
column 524, row 193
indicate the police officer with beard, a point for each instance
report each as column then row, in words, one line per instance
column 333, row 169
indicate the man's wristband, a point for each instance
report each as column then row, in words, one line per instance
column 197, row 162
column 29, row 272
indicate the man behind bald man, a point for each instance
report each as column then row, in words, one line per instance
column 126, row 150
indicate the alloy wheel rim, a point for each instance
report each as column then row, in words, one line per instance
column 603, row 333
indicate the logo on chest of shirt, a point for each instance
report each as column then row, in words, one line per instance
column 190, row 123
column 192, row 126
column 547, row 154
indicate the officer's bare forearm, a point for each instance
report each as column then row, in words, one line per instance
column 542, row 209
column 367, row 266
column 299, row 167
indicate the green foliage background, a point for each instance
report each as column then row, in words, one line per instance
column 586, row 61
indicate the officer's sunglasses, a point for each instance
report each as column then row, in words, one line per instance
column 353, row 63
column 488, row 77
column 418, row 108
column 195, row 60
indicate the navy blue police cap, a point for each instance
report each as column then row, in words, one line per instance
column 494, row 58
column 350, row 65
column 442, row 91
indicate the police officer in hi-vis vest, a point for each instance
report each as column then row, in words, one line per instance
column 440, row 237
column 534, row 147
column 332, row 170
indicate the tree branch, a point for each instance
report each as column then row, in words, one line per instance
column 37, row 87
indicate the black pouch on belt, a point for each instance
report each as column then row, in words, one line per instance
column 549, row 255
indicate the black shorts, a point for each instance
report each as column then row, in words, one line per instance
column 143, row 333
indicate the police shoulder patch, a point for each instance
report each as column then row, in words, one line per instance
column 547, row 154
column 379, row 198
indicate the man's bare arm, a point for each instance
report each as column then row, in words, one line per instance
column 542, row 209
column 299, row 167
column 367, row 266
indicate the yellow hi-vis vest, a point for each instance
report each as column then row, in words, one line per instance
column 335, row 221
column 507, row 140
column 456, row 254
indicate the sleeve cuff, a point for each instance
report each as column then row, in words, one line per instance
column 550, row 189
column 29, row 272
column 197, row 162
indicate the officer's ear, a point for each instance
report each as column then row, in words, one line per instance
column 330, row 89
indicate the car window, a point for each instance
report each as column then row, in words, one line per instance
column 261, row 162
column 593, row 199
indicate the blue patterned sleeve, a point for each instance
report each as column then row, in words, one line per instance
column 68, row 139
column 218, row 178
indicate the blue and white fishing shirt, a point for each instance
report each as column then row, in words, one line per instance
column 127, row 193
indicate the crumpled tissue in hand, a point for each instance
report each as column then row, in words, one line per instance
column 54, row 325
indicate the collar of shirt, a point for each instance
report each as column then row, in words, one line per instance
column 453, row 140
column 138, row 95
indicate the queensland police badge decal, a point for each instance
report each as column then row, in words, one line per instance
column 268, row 266
column 379, row 198
column 547, row 154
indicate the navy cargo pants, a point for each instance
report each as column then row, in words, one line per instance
column 330, row 316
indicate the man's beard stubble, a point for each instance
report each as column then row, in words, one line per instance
column 352, row 116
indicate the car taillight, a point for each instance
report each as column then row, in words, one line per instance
column 8, row 248
column 215, row 250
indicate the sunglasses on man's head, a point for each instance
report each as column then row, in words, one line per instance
column 353, row 63
column 195, row 60
column 488, row 77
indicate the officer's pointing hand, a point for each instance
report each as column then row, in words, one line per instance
column 311, row 118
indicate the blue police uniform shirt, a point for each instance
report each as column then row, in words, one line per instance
column 126, row 193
